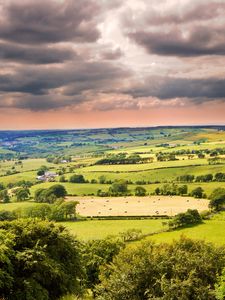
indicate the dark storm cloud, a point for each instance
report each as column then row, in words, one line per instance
column 35, row 55
column 39, row 103
column 199, row 41
column 195, row 31
column 36, row 22
column 71, row 80
column 167, row 88
column 199, row 12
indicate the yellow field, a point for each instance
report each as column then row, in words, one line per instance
column 137, row 206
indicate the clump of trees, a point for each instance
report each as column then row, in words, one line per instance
column 118, row 188
column 172, row 189
column 186, row 178
column 217, row 199
column 77, row 178
column 41, row 171
column 22, row 194
column 51, row 194
column 122, row 158
column 140, row 191
column 190, row 217
column 185, row 269
column 198, row 192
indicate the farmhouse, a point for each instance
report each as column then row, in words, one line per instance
column 48, row 176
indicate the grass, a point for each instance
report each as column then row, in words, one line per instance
column 73, row 188
column 15, row 205
column 98, row 229
column 210, row 231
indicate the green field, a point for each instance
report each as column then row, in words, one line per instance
column 98, row 229
column 211, row 230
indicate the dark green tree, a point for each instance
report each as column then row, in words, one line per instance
column 39, row 261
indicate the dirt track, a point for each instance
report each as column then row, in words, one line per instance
column 137, row 206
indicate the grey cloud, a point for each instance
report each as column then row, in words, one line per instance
column 200, row 41
column 70, row 80
column 184, row 32
column 112, row 54
column 49, row 21
column 198, row 90
column 39, row 103
column 35, row 55
column 204, row 11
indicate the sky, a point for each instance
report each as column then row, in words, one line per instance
column 111, row 63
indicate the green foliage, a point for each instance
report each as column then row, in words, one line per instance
column 132, row 234
column 118, row 188
column 182, row 270
column 77, row 179
column 198, row 192
column 62, row 178
column 190, row 217
column 41, row 171
column 220, row 287
column 217, row 199
column 171, row 189
column 51, row 194
column 22, row 194
column 140, row 191
column 4, row 196
column 7, row 215
column 97, row 253
column 38, row 261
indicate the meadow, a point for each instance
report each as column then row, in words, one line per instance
column 210, row 231
column 86, row 147
column 99, row 229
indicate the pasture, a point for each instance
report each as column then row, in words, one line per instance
column 210, row 231
column 98, row 229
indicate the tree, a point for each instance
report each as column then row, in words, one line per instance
column 140, row 191
column 77, row 179
column 118, row 188
column 182, row 190
column 51, row 194
column 157, row 191
column 184, row 269
column 41, row 171
column 97, row 253
column 197, row 192
column 217, row 199
column 4, row 196
column 22, row 194
column 39, row 260
column 102, row 179
column 190, row 217
column 58, row 190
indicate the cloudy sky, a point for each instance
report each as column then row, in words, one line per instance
column 108, row 63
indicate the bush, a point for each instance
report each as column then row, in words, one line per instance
column 39, row 260
column 77, row 179
column 185, row 269
column 198, row 192
column 217, row 199
column 190, row 217
column 140, row 191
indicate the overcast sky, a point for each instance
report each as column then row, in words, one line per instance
column 108, row 63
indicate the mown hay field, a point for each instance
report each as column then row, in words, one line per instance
column 137, row 206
